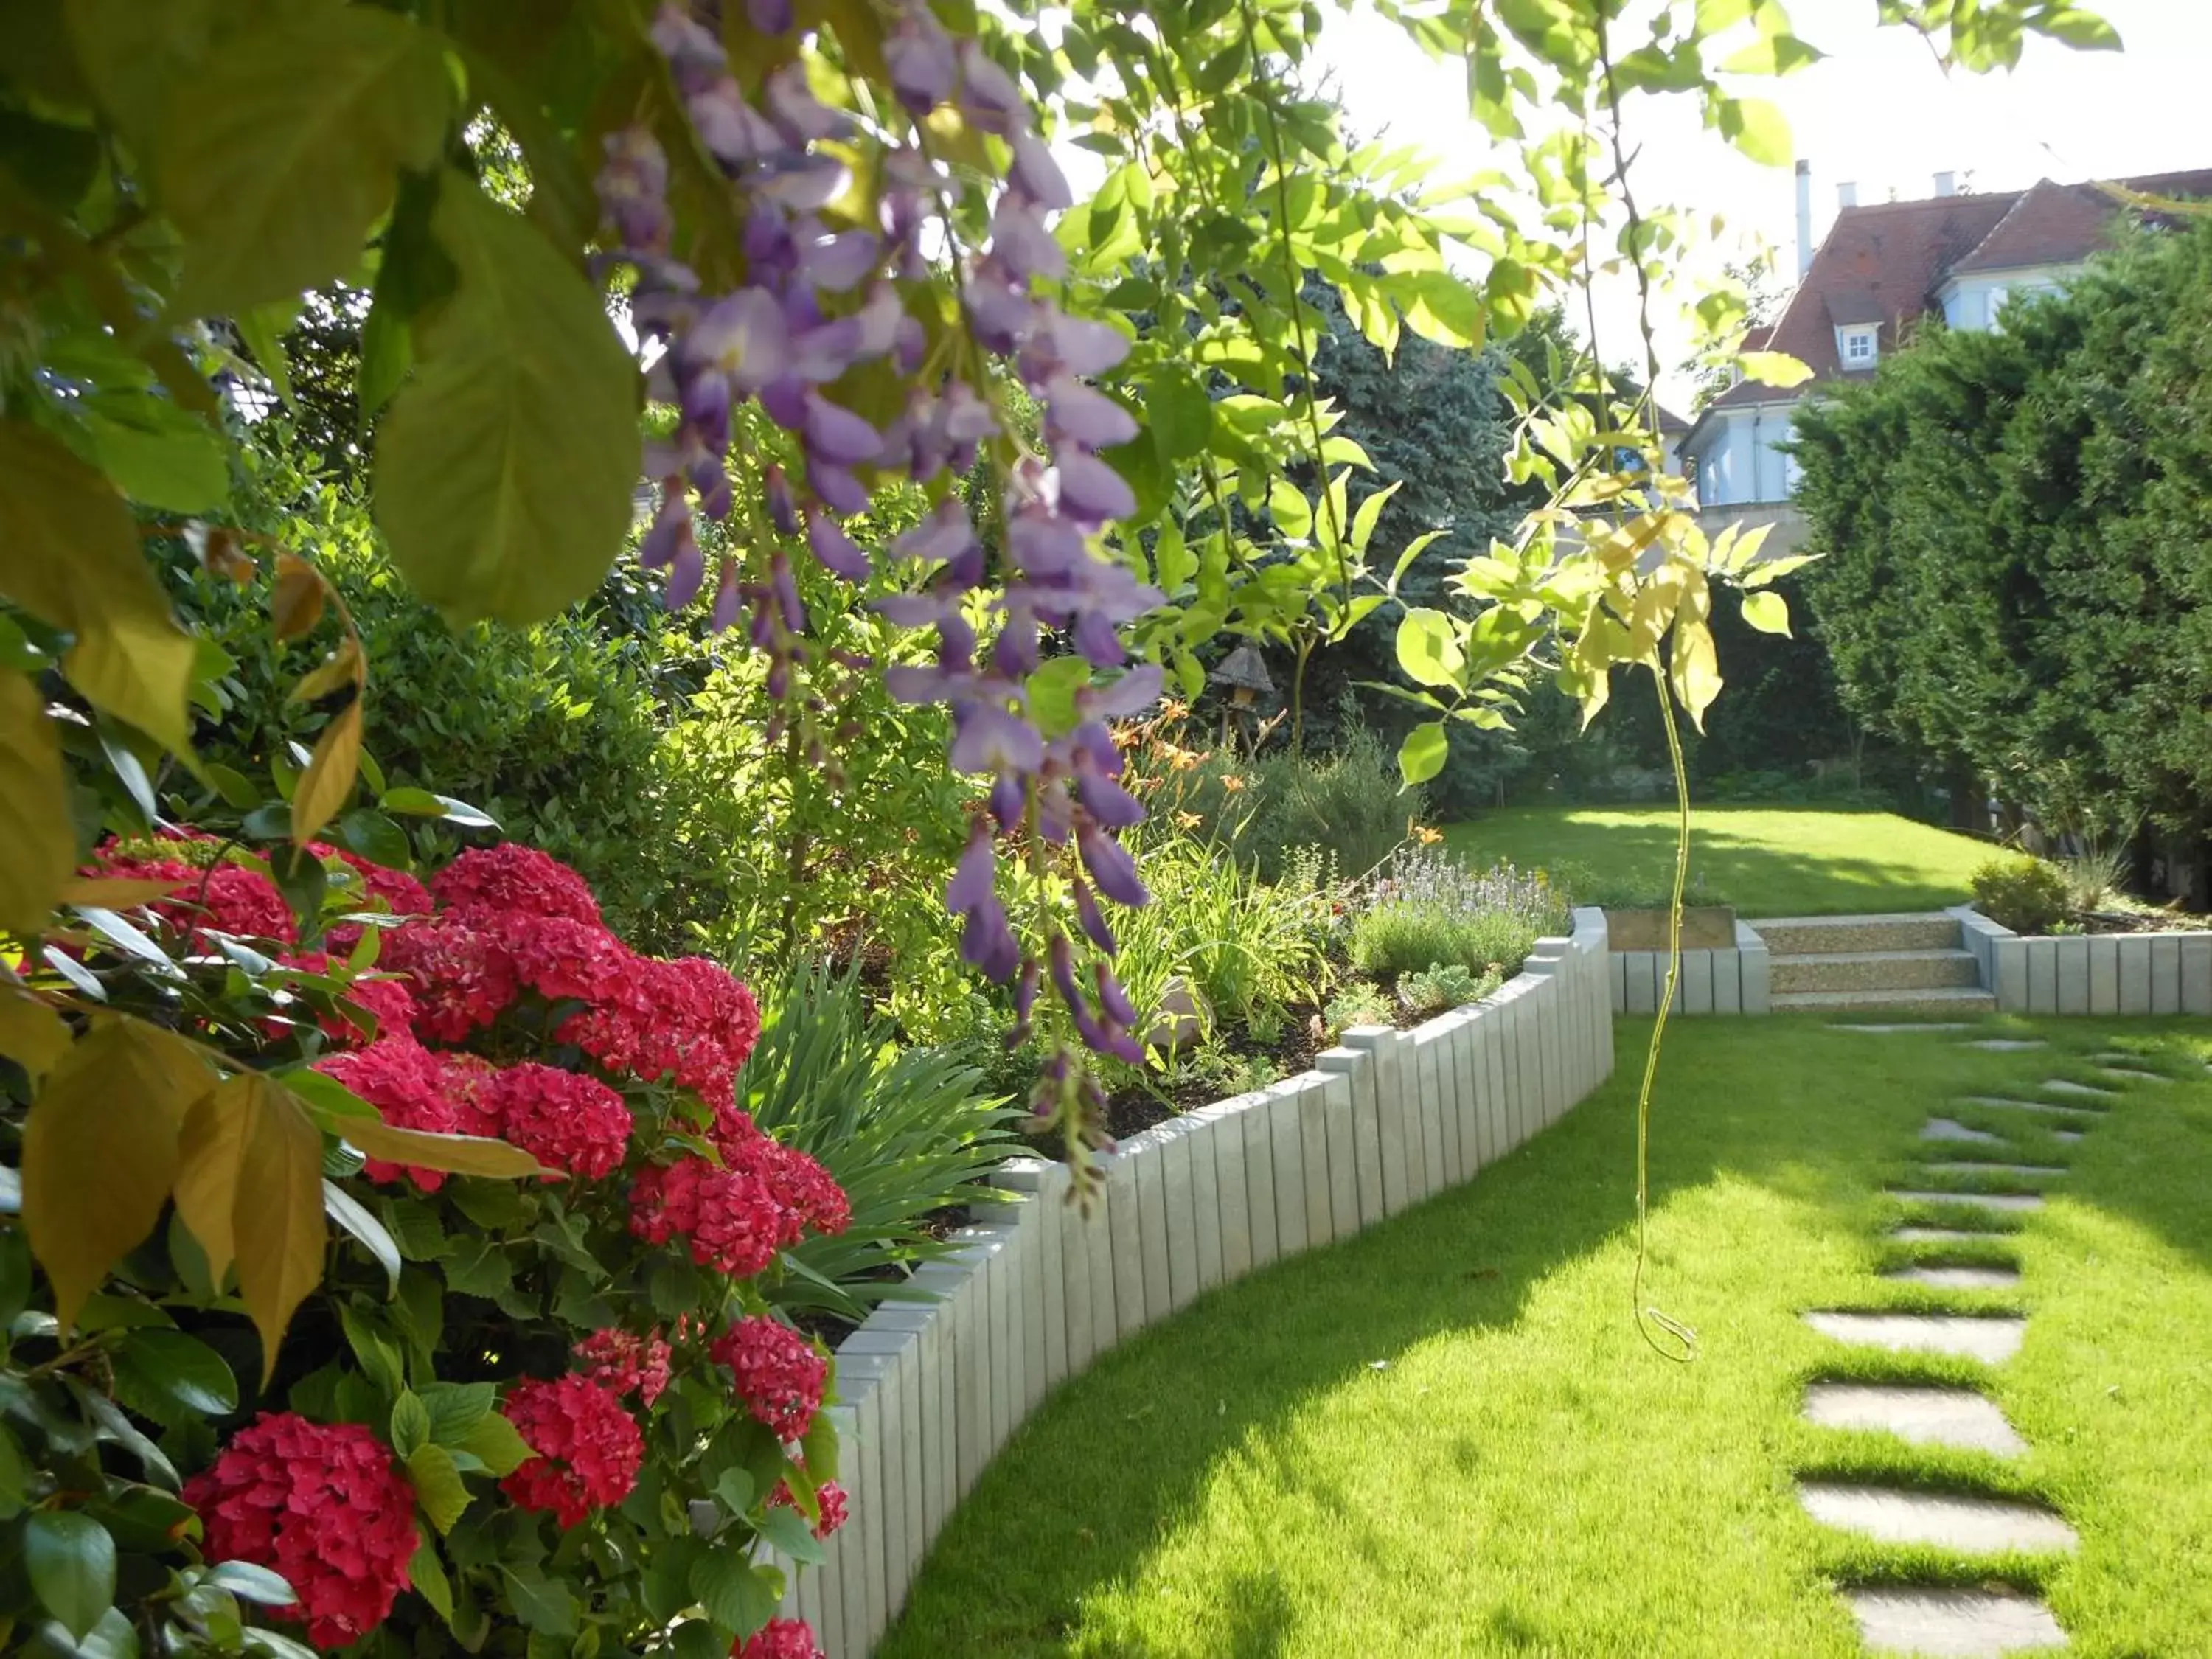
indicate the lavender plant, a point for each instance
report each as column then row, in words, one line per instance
column 1426, row 910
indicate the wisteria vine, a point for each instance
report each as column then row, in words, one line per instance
column 816, row 303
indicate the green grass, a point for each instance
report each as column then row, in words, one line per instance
column 1445, row 1438
column 1765, row 862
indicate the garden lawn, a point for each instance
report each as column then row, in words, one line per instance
column 1765, row 862
column 1445, row 1438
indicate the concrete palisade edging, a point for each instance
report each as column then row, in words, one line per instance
column 2090, row 973
column 934, row 1382
column 1734, row 982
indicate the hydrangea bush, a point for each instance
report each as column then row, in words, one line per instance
column 556, row 1414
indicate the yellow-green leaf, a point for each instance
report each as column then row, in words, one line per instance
column 504, row 468
column 1693, row 665
column 1421, row 756
column 1429, row 649
column 37, row 839
column 212, row 1154
column 1773, row 369
column 1292, row 512
column 329, row 778
column 455, row 1154
column 276, row 1223
column 69, row 555
column 100, row 1149
column 288, row 147
column 1767, row 611
column 498, row 1443
column 32, row 1033
column 438, row 1485
column 1758, row 129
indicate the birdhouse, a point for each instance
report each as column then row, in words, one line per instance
column 1245, row 674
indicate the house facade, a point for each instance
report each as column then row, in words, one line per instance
column 1881, row 270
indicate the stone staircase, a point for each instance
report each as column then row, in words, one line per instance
column 1914, row 961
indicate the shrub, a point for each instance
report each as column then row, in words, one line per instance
column 1447, row 985
column 1430, row 909
column 2024, row 894
column 1361, row 1002
column 561, row 1410
column 906, row 1135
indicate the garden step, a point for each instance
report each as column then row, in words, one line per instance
column 1979, row 1201
column 1943, row 1128
column 1873, row 971
column 1935, row 1622
column 2006, row 1045
column 1974, row 1526
column 1795, row 936
column 2061, row 1085
column 1959, row 1279
column 1975, row 1166
column 1990, row 1339
column 1947, row 999
column 2007, row 1104
column 1938, row 1417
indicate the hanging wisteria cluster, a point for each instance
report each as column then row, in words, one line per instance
column 816, row 302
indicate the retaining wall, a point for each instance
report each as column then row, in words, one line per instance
column 2090, row 973
column 1711, row 983
column 934, row 1382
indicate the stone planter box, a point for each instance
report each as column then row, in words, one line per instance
column 1704, row 927
column 2090, row 973
column 932, row 1385
column 1731, row 981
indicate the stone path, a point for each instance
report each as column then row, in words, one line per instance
column 1936, row 1620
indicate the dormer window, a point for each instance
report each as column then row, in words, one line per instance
column 1857, row 347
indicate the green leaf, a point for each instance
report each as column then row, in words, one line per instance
column 1052, row 691
column 543, row 1604
column 456, row 1408
column 69, row 555
column 426, row 1149
column 71, row 1563
column 697, row 1638
column 261, row 330
column 1767, row 611
column 731, row 1592
column 1370, row 509
column 497, row 1445
column 2082, row 29
column 156, row 453
column 1757, row 128
column 1292, row 512
column 255, row 1583
column 1773, row 54
column 421, row 803
column 411, row 1424
column 428, row 1574
column 14, row 1475
column 179, row 1368
column 340, row 1206
column 1773, row 369
column 504, row 469
column 438, row 1484
column 1180, row 414
column 1429, row 649
column 1438, row 306
column 1421, row 756
column 786, row 1529
column 289, row 147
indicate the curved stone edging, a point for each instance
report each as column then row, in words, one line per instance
column 933, row 1384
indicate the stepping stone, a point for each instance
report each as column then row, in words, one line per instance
column 2061, row 1085
column 2129, row 1074
column 2071, row 1114
column 1991, row 1340
column 1957, row 1278
column 1926, row 1417
column 1944, row 1128
column 1969, row 1166
column 1886, row 1029
column 1941, row 1236
column 1979, row 1201
column 2069, row 1136
column 1953, row 1623
column 1974, row 1526
column 2008, row 1045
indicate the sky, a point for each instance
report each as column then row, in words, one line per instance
column 1877, row 113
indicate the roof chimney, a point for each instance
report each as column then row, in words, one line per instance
column 1847, row 195
column 1804, row 217
column 1947, row 184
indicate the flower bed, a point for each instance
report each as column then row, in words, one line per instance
column 503, row 1414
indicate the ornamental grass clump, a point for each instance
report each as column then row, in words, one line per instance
column 1427, row 911
column 572, row 1405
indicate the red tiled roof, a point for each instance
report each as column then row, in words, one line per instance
column 1882, row 263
